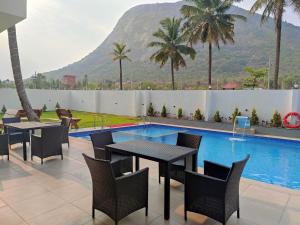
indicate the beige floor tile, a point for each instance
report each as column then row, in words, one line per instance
column 15, row 182
column 64, row 215
column 264, row 195
column 51, row 183
column 21, row 193
column 260, row 212
column 84, row 204
column 233, row 220
column 2, row 203
column 9, row 217
column 36, row 206
column 294, row 202
column 72, row 192
column 290, row 217
column 136, row 218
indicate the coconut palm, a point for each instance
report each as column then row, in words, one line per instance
column 120, row 53
column 171, row 46
column 16, row 67
column 275, row 9
column 208, row 21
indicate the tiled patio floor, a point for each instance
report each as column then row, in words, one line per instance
column 59, row 193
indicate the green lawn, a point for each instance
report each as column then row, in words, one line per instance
column 89, row 119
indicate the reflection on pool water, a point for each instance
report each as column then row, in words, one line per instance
column 274, row 161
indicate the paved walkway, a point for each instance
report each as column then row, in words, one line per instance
column 272, row 131
column 59, row 193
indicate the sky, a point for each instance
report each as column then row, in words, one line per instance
column 57, row 33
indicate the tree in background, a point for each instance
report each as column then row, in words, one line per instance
column 256, row 76
column 208, row 21
column 16, row 67
column 275, row 9
column 120, row 54
column 171, row 46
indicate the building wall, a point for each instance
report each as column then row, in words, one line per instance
column 135, row 103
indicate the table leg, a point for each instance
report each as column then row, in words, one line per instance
column 167, row 191
column 195, row 162
column 24, row 147
column 137, row 163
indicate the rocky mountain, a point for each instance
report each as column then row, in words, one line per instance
column 254, row 45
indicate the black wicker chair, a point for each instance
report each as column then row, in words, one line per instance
column 14, row 135
column 48, row 144
column 117, row 196
column 100, row 140
column 177, row 169
column 4, row 150
column 66, row 122
column 216, row 193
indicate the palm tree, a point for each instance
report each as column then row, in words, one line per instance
column 171, row 45
column 208, row 21
column 275, row 8
column 16, row 67
column 120, row 53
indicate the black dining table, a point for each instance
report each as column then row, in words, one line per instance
column 159, row 152
column 28, row 126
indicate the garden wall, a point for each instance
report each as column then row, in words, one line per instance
column 135, row 103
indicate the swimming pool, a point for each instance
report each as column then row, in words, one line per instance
column 274, row 161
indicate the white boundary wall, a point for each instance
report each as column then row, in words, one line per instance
column 135, row 103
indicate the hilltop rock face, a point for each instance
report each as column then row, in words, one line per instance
column 254, row 44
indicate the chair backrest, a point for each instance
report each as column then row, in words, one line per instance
column 102, row 177
column 7, row 120
column 234, row 176
column 101, row 139
column 63, row 113
column 11, row 120
column 52, row 137
column 3, row 144
column 189, row 140
column 66, row 122
column 22, row 113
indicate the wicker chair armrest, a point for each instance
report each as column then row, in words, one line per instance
column 199, row 184
column 134, row 184
column 35, row 138
column 216, row 170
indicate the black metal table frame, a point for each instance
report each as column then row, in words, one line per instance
column 24, row 136
column 190, row 156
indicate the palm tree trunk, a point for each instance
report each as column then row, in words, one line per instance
column 16, row 67
column 121, row 75
column 209, row 64
column 278, row 45
column 172, row 73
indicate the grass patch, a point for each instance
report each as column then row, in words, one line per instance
column 90, row 119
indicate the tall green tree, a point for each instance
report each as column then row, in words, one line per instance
column 275, row 9
column 208, row 21
column 16, row 67
column 172, row 45
column 119, row 54
column 257, row 75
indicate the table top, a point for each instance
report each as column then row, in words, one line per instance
column 153, row 151
column 29, row 125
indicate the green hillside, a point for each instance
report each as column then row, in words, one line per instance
column 254, row 45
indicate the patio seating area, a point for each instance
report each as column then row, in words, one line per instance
column 60, row 192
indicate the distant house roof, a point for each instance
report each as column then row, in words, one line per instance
column 230, row 86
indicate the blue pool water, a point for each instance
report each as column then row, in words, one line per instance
column 274, row 161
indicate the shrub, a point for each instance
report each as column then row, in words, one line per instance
column 235, row 113
column 150, row 111
column 3, row 110
column 198, row 115
column 276, row 120
column 217, row 117
column 57, row 105
column 180, row 113
column 254, row 120
column 44, row 108
column 163, row 111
